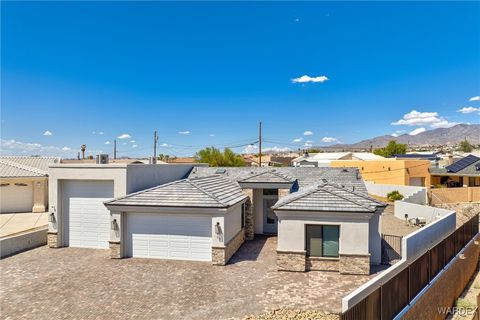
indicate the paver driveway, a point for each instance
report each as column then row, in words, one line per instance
column 72, row 283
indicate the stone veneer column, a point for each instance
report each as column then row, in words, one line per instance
column 291, row 261
column 115, row 250
column 354, row 264
column 52, row 239
column 222, row 254
column 249, row 216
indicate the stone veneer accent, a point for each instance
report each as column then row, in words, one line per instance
column 322, row 264
column 52, row 239
column 291, row 260
column 354, row 264
column 115, row 250
column 249, row 217
column 221, row 255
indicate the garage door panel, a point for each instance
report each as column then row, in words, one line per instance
column 169, row 237
column 89, row 223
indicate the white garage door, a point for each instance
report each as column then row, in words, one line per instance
column 16, row 198
column 169, row 237
column 87, row 220
column 89, row 223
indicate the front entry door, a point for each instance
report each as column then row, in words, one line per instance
column 269, row 217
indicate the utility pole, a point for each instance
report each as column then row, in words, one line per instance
column 155, row 140
column 260, row 145
column 114, row 149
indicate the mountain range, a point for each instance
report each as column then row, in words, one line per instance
column 439, row 136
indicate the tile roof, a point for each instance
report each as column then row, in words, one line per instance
column 22, row 167
column 305, row 176
column 271, row 176
column 330, row 198
column 204, row 192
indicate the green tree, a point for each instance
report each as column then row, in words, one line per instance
column 215, row 158
column 392, row 148
column 465, row 146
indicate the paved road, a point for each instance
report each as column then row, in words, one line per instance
column 73, row 283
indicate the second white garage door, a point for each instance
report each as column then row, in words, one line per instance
column 177, row 237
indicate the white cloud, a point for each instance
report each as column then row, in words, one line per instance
column 184, row 132
column 417, row 131
column 397, row 133
column 466, row 110
column 276, row 149
column 211, row 135
column 99, row 132
column 251, row 148
column 416, row 118
column 14, row 147
column 476, row 98
column 107, row 142
column 124, row 136
column 329, row 139
column 297, row 140
column 164, row 145
column 133, row 141
column 305, row 79
column 134, row 146
column 308, row 133
column 308, row 144
column 47, row 133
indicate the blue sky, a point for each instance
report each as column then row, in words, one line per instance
column 206, row 73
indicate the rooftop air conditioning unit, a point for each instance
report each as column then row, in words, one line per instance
column 102, row 159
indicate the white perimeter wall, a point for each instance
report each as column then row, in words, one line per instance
column 413, row 246
column 416, row 211
column 411, row 194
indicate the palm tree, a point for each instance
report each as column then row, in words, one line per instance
column 83, row 148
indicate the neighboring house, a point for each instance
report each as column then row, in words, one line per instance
column 24, row 183
column 464, row 172
column 78, row 217
column 391, row 171
column 434, row 158
column 324, row 159
column 125, row 161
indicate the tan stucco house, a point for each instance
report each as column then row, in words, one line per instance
column 24, row 183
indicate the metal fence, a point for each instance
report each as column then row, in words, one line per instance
column 394, row 295
column 391, row 248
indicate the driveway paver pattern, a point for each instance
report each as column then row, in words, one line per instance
column 74, row 283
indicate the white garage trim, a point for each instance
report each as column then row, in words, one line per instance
column 163, row 236
column 16, row 197
column 89, row 223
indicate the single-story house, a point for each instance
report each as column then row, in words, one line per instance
column 464, row 172
column 208, row 215
column 24, row 183
column 78, row 217
column 324, row 159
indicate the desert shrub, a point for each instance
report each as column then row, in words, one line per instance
column 394, row 195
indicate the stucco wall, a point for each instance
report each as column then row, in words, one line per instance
column 140, row 177
column 232, row 222
column 258, row 210
column 415, row 211
column 389, row 171
column 354, row 230
column 375, row 238
column 411, row 193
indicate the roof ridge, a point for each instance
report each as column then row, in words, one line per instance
column 211, row 195
column 145, row 190
column 298, row 195
column 345, row 198
column 23, row 167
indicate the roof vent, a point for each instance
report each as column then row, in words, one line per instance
column 221, row 171
column 324, row 180
column 344, row 170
